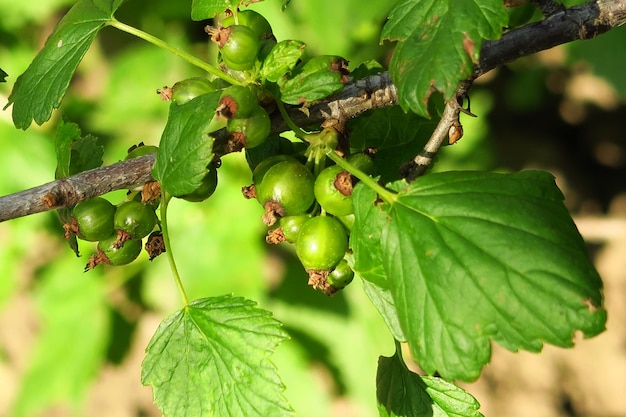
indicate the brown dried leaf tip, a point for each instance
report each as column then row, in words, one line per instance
column 150, row 192
column 275, row 236
column 249, row 191
column 165, row 93
column 97, row 259
column 155, row 245
column 319, row 281
column 273, row 211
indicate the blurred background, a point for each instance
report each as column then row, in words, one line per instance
column 71, row 343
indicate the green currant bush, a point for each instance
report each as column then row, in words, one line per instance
column 237, row 102
column 253, row 130
column 135, row 218
column 94, row 219
column 186, row 90
column 119, row 255
column 253, row 20
column 238, row 45
column 286, row 189
column 329, row 196
column 341, row 276
column 206, row 189
column 291, row 226
column 321, row 244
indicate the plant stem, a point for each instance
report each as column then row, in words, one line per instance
column 301, row 134
column 182, row 54
column 166, row 197
column 388, row 196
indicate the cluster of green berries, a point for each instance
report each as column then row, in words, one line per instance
column 119, row 230
column 313, row 213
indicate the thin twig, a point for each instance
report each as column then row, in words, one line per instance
column 68, row 191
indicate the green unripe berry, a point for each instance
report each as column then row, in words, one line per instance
column 135, row 218
column 119, row 255
column 251, row 131
column 206, row 189
column 94, row 219
column 238, row 46
column 329, row 191
column 341, row 276
column 321, row 244
column 186, row 90
column 253, row 20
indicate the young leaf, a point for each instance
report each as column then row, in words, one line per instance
column 282, row 58
column 402, row 393
column 211, row 359
column 315, row 79
column 473, row 257
column 41, row 87
column 208, row 9
column 439, row 41
column 75, row 153
column 186, row 147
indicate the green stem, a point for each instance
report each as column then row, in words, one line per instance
column 165, row 200
column 296, row 129
column 388, row 196
column 182, row 54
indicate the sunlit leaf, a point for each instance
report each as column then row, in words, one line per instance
column 438, row 43
column 211, row 359
column 40, row 89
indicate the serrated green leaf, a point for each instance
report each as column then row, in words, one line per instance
column 66, row 134
column 211, row 359
column 282, row 58
column 477, row 256
column 366, row 261
column 439, row 40
column 208, row 9
column 315, row 79
column 310, row 87
column 402, row 393
column 186, row 148
column 75, row 153
column 3, row 76
column 389, row 127
column 40, row 89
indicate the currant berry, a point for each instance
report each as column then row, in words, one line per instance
column 333, row 191
column 285, row 190
column 291, row 226
column 237, row 102
column 238, row 46
column 206, row 189
column 253, row 20
column 92, row 219
column 321, row 244
column 186, row 90
column 264, row 166
column 340, row 277
column 112, row 254
column 135, row 219
column 251, row 131
column 363, row 162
